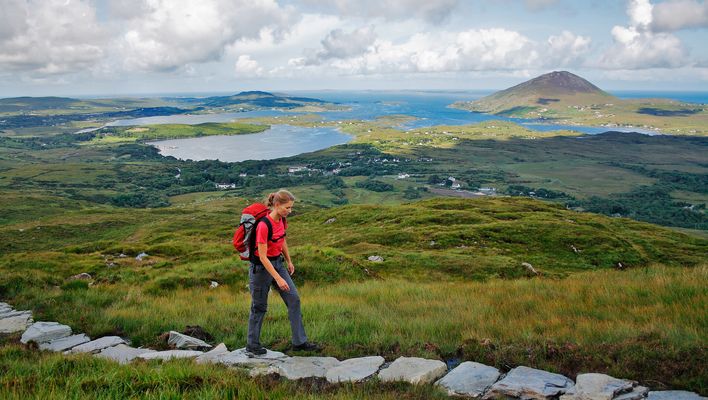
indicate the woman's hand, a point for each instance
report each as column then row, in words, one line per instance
column 282, row 284
column 291, row 267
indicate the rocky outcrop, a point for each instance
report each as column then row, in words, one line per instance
column 170, row 354
column 674, row 395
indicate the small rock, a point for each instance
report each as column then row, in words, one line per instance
column 331, row 221
column 469, row 379
column 413, row 370
column 674, row 395
column 575, row 249
column 212, row 355
column 82, row 277
column 529, row 383
column 122, row 353
column 97, row 345
column 181, row 341
column 529, row 268
column 620, row 265
column 140, row 256
column 41, row 332
column 214, row 285
column 121, row 255
column 65, row 343
column 170, row 354
column 432, row 243
column 375, row 259
column 354, row 369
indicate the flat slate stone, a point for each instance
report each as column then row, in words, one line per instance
column 41, row 332
column 122, row 353
column 595, row 386
column 14, row 313
column 530, row 383
column 18, row 323
column 182, row 341
column 170, row 354
column 306, row 367
column 673, row 395
column 239, row 358
column 638, row 393
column 212, row 355
column 64, row 343
column 97, row 345
column 413, row 370
column 354, row 369
column 469, row 379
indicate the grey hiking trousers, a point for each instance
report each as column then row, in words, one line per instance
column 259, row 284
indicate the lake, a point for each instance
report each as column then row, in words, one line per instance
column 430, row 108
column 277, row 142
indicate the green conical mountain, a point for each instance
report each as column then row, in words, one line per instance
column 557, row 89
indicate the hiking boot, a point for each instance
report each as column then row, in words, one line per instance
column 307, row 346
column 256, row 350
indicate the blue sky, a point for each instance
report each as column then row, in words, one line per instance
column 119, row 47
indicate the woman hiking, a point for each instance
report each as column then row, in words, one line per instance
column 267, row 267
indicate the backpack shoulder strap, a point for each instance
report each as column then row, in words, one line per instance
column 270, row 228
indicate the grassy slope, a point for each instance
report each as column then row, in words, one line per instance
column 442, row 300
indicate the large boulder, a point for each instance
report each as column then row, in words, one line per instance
column 305, row 367
column 65, row 343
column 41, row 332
column 181, row 341
column 14, row 313
column 529, row 383
column 597, row 387
column 413, row 370
column 469, row 379
column 97, row 345
column 122, row 353
column 354, row 369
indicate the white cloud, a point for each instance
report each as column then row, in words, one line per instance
column 494, row 49
column 567, row 49
column 637, row 47
column 174, row 32
column 247, row 67
column 680, row 14
column 49, row 37
column 434, row 11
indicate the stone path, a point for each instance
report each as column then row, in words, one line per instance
column 469, row 379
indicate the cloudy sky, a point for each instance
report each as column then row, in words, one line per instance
column 117, row 47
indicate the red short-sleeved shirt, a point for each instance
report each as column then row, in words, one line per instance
column 276, row 247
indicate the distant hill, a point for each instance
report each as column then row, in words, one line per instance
column 259, row 99
column 555, row 90
column 12, row 104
